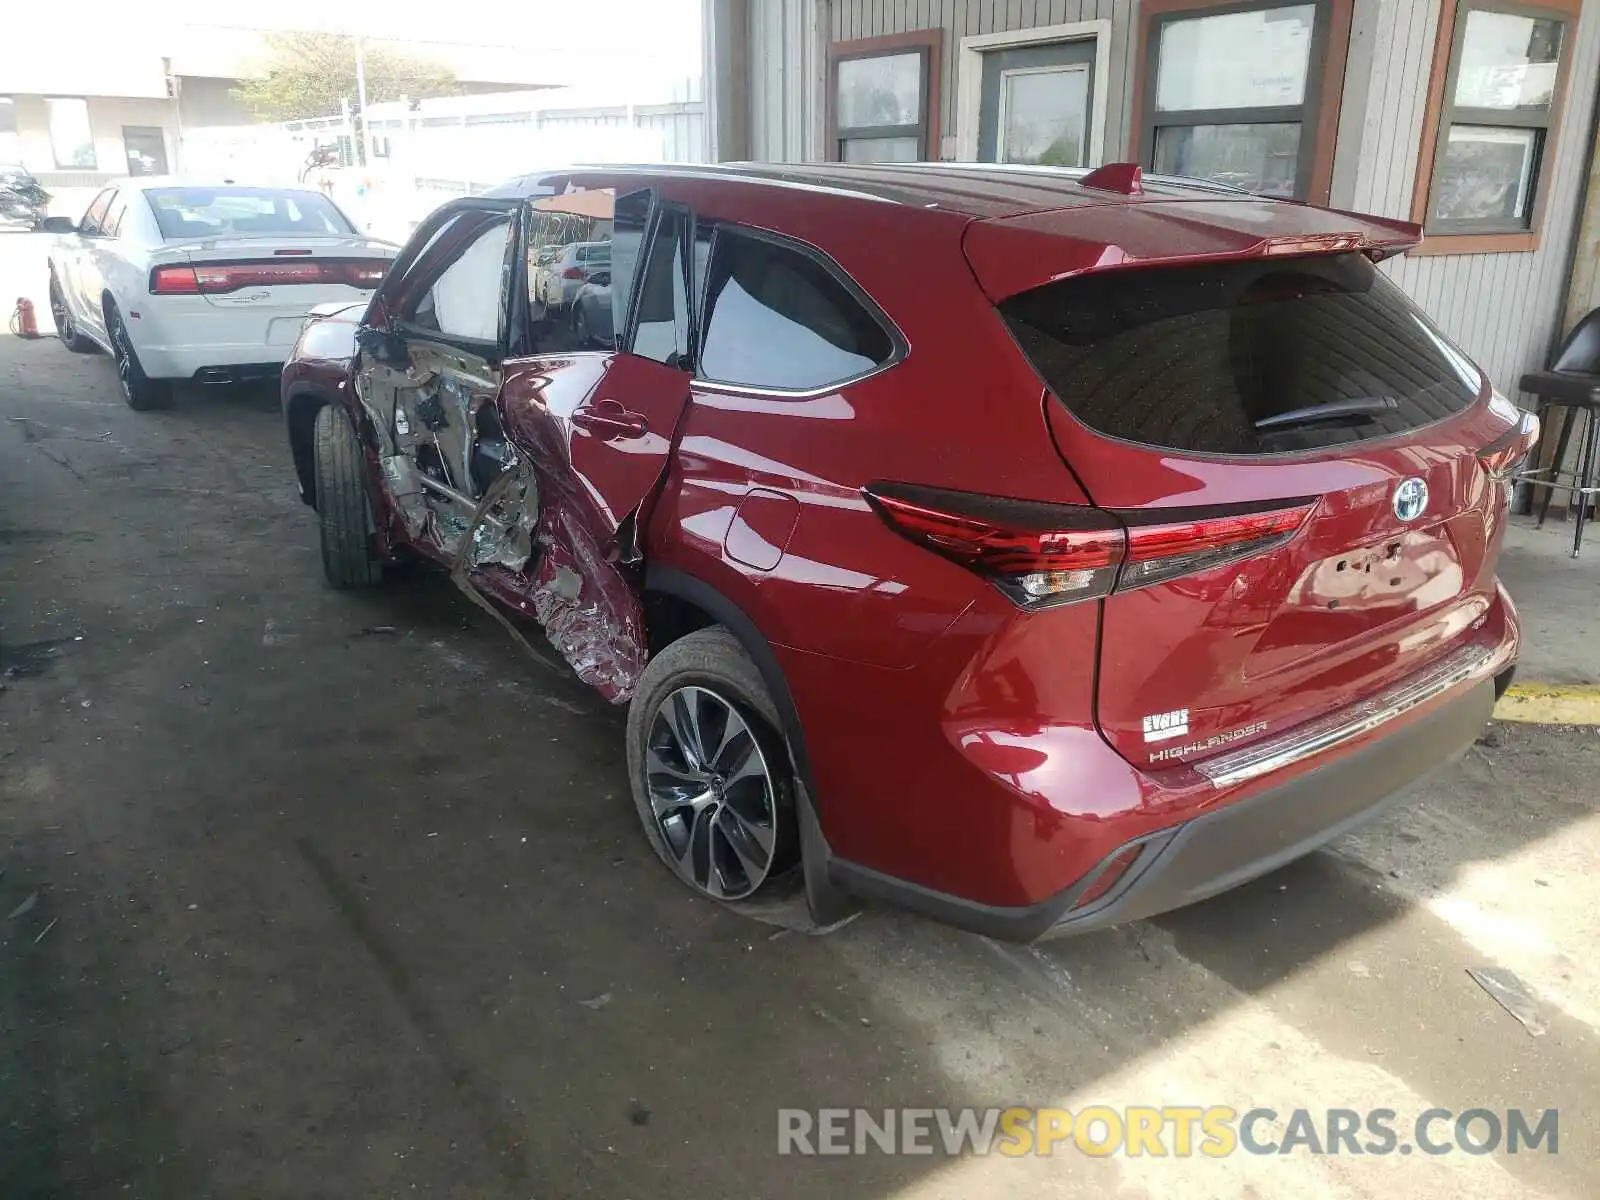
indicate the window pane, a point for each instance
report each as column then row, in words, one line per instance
column 627, row 236
column 1507, row 61
column 1486, row 174
column 1046, row 116
column 880, row 91
column 1193, row 357
column 70, row 138
column 10, row 142
column 208, row 212
column 1235, row 60
column 662, row 333
column 884, row 149
column 569, row 271
column 1259, row 158
column 779, row 319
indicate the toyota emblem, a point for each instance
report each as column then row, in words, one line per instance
column 1410, row 498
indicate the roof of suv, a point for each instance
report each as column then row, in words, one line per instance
column 973, row 189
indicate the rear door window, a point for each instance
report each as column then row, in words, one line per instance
column 778, row 318
column 661, row 330
column 1261, row 357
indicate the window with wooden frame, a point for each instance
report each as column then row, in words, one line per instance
column 883, row 98
column 1488, row 142
column 1243, row 93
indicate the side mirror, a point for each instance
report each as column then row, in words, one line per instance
column 58, row 225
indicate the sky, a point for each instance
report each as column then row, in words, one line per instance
column 661, row 31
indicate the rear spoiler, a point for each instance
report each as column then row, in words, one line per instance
column 1016, row 254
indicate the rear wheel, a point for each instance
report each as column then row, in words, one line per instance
column 66, row 328
column 343, row 516
column 709, row 770
column 140, row 391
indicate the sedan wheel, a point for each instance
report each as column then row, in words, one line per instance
column 66, row 329
column 138, row 389
column 711, row 794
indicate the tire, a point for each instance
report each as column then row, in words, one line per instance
column 706, row 820
column 580, row 327
column 140, row 391
column 66, row 329
column 343, row 516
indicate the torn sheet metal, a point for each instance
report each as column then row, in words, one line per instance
column 588, row 607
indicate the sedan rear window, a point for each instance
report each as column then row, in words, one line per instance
column 188, row 212
column 1268, row 356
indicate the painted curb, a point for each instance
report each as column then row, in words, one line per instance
column 1550, row 704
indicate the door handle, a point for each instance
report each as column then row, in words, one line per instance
column 610, row 420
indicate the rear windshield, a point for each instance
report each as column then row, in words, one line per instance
column 189, row 212
column 1268, row 356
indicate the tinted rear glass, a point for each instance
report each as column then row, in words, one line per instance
column 1193, row 358
column 209, row 212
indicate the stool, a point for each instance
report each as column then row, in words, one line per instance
column 1572, row 383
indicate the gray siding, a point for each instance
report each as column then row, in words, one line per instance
column 853, row 19
column 787, row 63
column 1504, row 309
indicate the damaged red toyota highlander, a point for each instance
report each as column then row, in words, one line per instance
column 1032, row 549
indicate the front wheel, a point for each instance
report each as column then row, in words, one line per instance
column 710, row 770
column 343, row 518
column 140, row 391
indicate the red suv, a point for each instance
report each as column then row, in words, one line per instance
column 1034, row 549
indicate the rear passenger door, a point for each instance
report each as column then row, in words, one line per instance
column 614, row 436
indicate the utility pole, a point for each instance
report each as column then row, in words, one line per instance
column 361, row 102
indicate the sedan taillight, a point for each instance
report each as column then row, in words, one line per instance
column 1041, row 555
column 1505, row 456
column 213, row 279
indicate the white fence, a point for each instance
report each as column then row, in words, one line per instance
column 421, row 155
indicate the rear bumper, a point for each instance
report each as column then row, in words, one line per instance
column 1224, row 847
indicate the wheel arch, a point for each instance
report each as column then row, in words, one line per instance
column 688, row 590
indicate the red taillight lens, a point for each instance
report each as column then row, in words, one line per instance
column 1046, row 554
column 215, row 279
column 572, row 273
column 1505, row 456
column 1158, row 551
column 1038, row 554
column 173, row 281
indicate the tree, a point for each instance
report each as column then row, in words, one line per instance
column 307, row 74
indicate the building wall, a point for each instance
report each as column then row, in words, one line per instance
column 107, row 116
column 1505, row 309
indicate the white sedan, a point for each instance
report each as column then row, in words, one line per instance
column 211, row 283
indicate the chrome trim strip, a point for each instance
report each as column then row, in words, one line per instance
column 1324, row 733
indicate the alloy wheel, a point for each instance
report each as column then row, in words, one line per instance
column 60, row 314
column 711, row 793
column 124, row 356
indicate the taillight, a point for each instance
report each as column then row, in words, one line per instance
column 1159, row 550
column 1505, row 456
column 1042, row 555
column 1037, row 554
column 173, row 281
column 219, row 278
column 572, row 273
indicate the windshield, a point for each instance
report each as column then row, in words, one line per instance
column 1257, row 357
column 189, row 212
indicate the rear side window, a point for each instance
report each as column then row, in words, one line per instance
column 778, row 318
column 1268, row 356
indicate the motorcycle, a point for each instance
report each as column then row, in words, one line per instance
column 22, row 199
